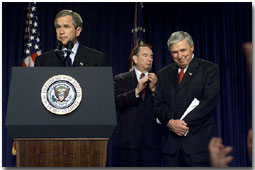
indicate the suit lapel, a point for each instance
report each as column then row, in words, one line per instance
column 174, row 75
column 79, row 59
column 192, row 69
column 133, row 79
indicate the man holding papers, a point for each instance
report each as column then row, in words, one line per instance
column 186, row 94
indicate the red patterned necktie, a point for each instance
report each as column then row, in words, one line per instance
column 143, row 91
column 181, row 74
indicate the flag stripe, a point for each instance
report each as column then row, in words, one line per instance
column 30, row 60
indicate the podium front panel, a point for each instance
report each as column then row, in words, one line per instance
column 95, row 117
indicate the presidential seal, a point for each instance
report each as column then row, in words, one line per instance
column 61, row 94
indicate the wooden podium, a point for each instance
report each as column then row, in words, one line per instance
column 61, row 152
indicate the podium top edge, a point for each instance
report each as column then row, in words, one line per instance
column 44, row 67
column 57, row 139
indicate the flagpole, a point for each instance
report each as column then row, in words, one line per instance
column 137, row 31
column 134, row 38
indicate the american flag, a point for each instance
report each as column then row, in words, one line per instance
column 32, row 43
column 32, row 37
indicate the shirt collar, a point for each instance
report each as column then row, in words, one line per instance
column 74, row 49
column 138, row 73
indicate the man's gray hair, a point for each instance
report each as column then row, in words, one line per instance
column 179, row 36
column 77, row 21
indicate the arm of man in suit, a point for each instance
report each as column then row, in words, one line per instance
column 163, row 112
column 178, row 126
column 128, row 97
column 209, row 99
column 142, row 83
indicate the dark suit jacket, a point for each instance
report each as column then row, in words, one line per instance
column 201, row 81
column 137, row 118
column 84, row 57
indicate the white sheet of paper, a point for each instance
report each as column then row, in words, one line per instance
column 192, row 106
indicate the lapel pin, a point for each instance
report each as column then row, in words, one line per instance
column 190, row 73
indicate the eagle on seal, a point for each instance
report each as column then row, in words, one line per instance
column 61, row 92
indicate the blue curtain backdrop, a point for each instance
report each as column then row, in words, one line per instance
column 218, row 31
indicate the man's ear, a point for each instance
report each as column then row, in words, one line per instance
column 192, row 48
column 135, row 58
column 78, row 31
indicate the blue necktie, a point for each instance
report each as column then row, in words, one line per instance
column 68, row 60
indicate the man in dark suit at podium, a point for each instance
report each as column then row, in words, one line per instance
column 137, row 133
column 190, row 85
column 68, row 26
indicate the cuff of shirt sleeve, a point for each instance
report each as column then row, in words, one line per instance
column 137, row 96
